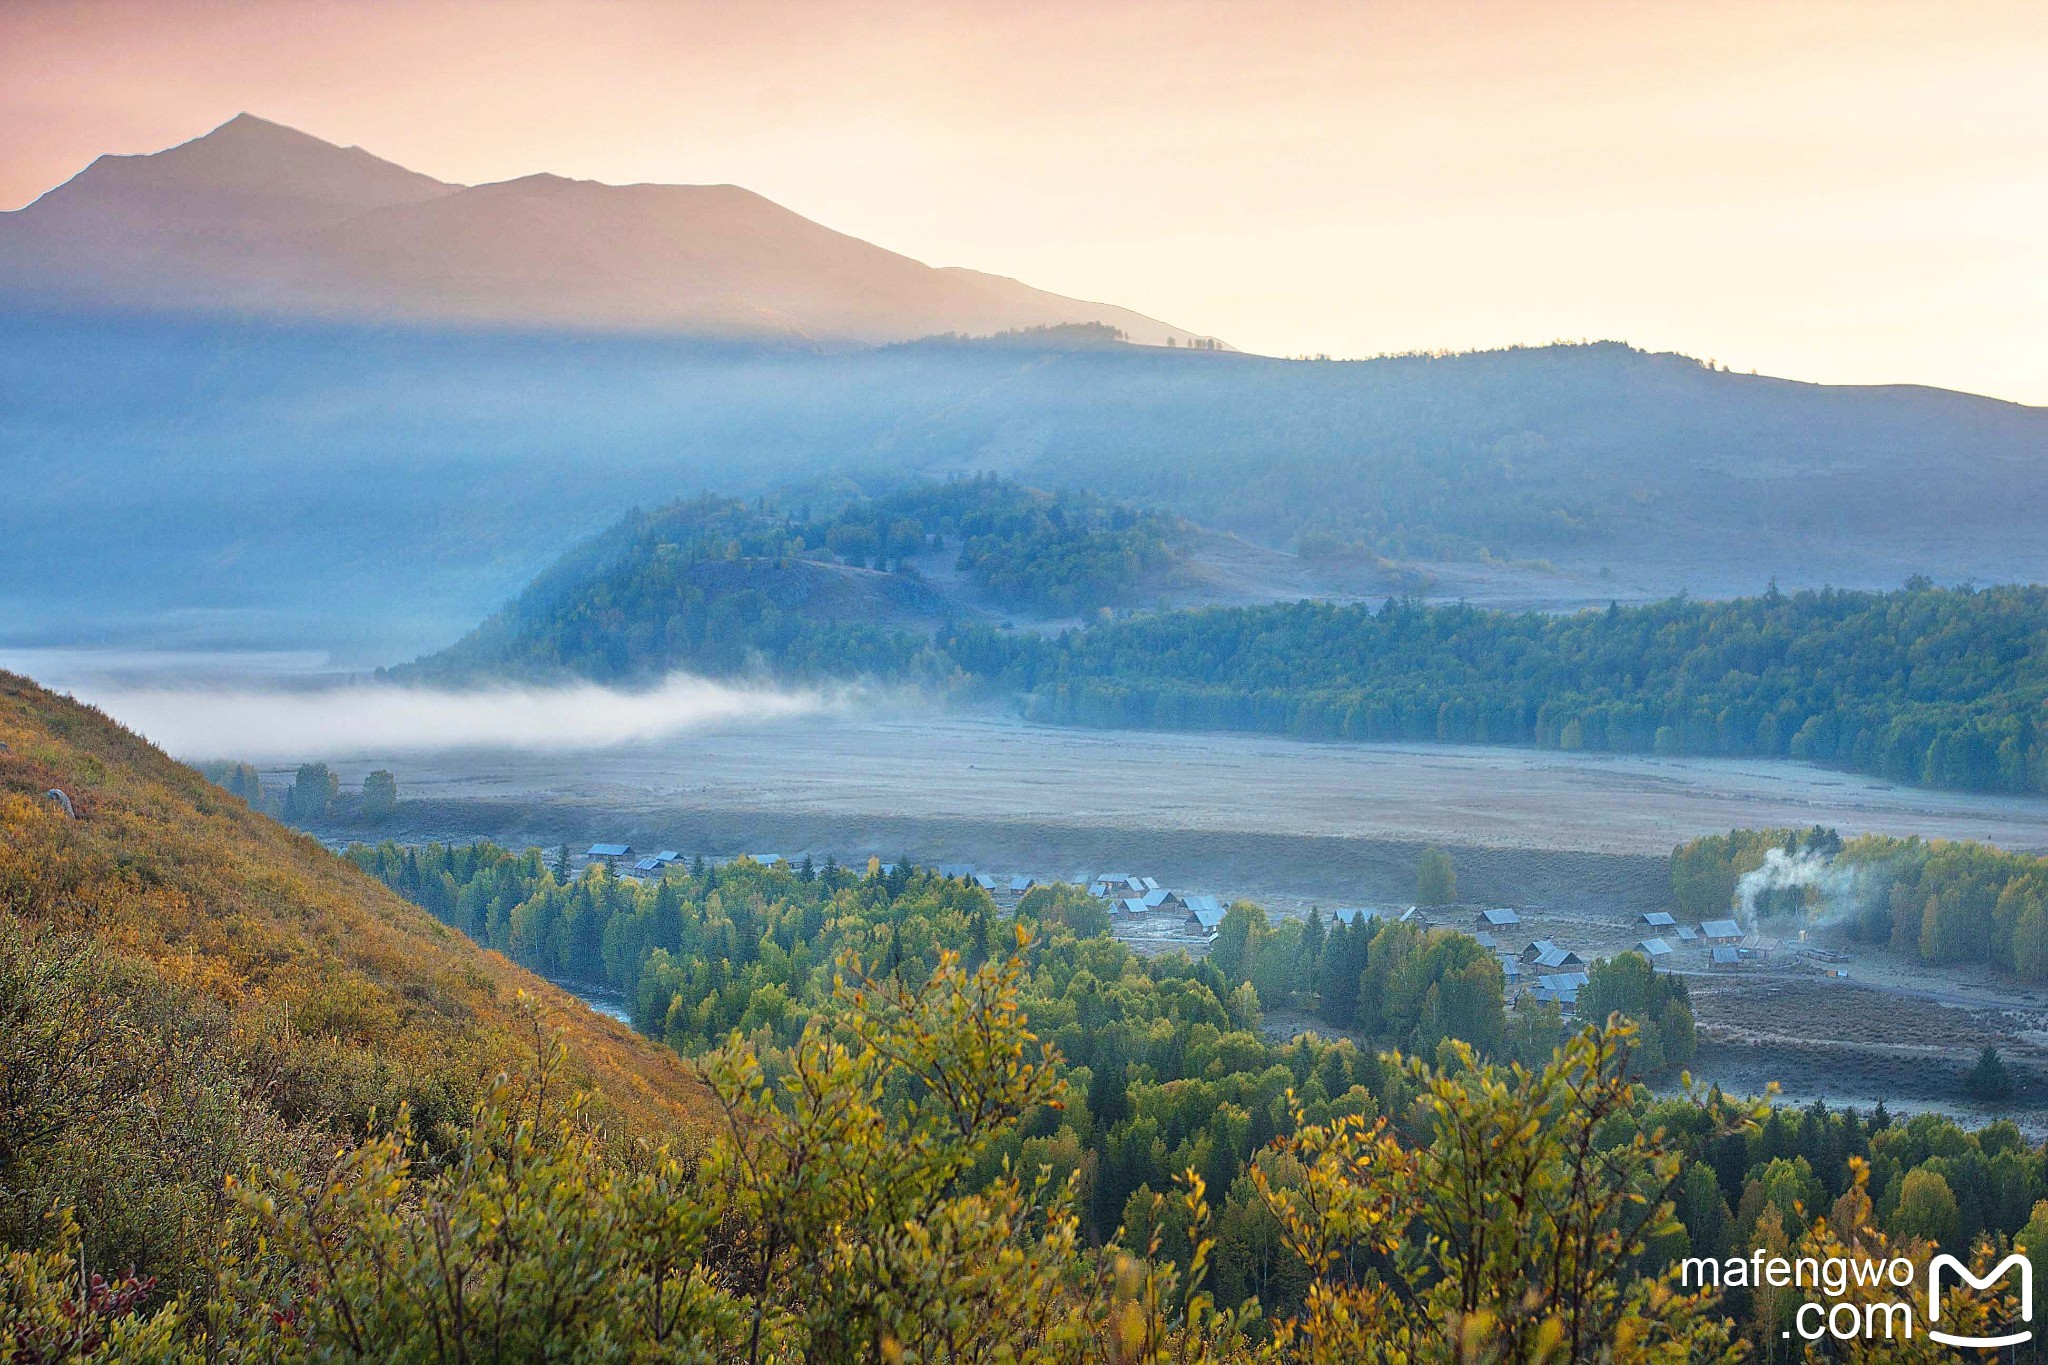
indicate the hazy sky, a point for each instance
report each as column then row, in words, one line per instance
column 1844, row 190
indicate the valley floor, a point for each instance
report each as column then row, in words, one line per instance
column 1577, row 842
column 807, row 781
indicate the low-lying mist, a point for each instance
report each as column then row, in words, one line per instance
column 257, row 724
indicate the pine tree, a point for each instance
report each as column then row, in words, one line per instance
column 1988, row 1081
column 1312, row 941
column 666, row 930
column 1109, row 1099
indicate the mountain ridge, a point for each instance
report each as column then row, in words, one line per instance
column 382, row 489
column 256, row 218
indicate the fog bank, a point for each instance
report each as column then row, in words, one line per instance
column 258, row 724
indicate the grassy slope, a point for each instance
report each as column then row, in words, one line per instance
column 352, row 983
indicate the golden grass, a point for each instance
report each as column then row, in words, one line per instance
column 309, row 954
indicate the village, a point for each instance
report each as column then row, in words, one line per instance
column 1537, row 963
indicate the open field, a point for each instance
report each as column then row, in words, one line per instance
column 1274, row 816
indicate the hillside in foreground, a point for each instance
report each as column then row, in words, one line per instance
column 188, row 989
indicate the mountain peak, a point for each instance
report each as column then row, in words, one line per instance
column 261, row 217
column 248, row 174
column 246, row 124
column 258, row 150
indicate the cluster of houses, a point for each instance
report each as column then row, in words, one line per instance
column 1133, row 897
column 1130, row 897
column 1554, row 973
column 1722, row 942
column 1547, row 971
column 628, row 861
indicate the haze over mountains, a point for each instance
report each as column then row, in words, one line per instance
column 261, row 390
column 259, row 219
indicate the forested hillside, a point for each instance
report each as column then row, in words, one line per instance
column 1945, row 688
column 718, row 584
column 189, row 990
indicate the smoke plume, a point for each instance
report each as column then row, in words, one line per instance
column 1837, row 886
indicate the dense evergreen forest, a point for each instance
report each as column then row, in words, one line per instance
column 1924, row 685
column 1166, row 1059
column 1163, row 1066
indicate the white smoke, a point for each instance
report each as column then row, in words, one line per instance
column 363, row 719
column 1837, row 885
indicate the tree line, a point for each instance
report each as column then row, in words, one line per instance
column 1941, row 687
column 1927, row 686
column 312, row 794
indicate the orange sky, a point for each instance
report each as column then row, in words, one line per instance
column 1841, row 191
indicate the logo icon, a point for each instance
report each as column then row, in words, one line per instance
column 1996, row 1274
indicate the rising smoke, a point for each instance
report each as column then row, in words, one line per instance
column 1832, row 891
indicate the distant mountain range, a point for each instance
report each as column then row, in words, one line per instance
column 383, row 489
column 262, row 390
column 261, row 220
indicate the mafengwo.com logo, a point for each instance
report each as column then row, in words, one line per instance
column 1851, row 1298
